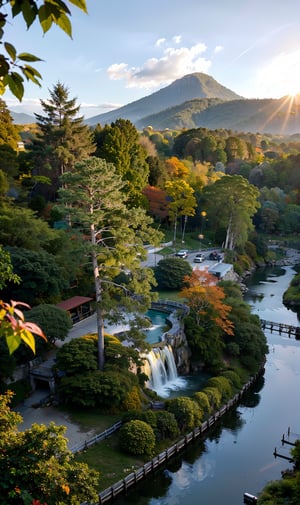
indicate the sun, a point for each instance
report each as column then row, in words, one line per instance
column 281, row 76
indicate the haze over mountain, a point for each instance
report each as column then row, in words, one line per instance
column 197, row 85
column 275, row 116
column 22, row 118
column 197, row 100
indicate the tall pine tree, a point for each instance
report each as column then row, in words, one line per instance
column 63, row 139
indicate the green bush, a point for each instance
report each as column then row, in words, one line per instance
column 214, row 396
column 167, row 426
column 137, row 437
column 202, row 399
column 133, row 400
column 169, row 273
column 234, row 378
column 186, row 411
column 223, row 385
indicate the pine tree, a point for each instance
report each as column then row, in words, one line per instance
column 63, row 139
column 114, row 235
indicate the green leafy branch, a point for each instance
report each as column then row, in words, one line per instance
column 12, row 69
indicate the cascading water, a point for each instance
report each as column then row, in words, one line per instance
column 161, row 369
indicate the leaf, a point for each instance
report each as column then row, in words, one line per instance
column 16, row 8
column 65, row 24
column 29, row 11
column 59, row 6
column 31, row 74
column 45, row 18
column 13, row 341
column 10, row 50
column 28, row 57
column 28, row 338
column 15, row 84
column 81, row 4
column 4, row 66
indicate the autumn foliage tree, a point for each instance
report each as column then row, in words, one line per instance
column 205, row 298
column 208, row 320
column 157, row 200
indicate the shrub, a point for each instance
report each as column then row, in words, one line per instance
column 186, row 411
column 169, row 273
column 137, row 437
column 202, row 400
column 234, row 378
column 214, row 395
column 132, row 400
column 167, row 426
column 223, row 385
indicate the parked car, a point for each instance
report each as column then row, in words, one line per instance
column 182, row 254
column 199, row 258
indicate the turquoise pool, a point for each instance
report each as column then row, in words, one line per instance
column 159, row 325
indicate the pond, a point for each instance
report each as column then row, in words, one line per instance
column 159, row 325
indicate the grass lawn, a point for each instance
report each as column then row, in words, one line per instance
column 92, row 418
column 112, row 464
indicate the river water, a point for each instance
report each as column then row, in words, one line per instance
column 237, row 456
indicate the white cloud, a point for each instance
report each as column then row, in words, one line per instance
column 174, row 63
column 159, row 42
column 177, row 39
column 218, row 49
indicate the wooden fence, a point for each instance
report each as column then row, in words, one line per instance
column 97, row 438
column 139, row 474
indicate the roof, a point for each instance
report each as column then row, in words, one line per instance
column 73, row 302
column 220, row 269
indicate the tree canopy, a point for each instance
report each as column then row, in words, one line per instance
column 35, row 464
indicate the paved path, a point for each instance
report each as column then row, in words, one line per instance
column 44, row 415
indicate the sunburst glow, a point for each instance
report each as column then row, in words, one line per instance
column 281, row 77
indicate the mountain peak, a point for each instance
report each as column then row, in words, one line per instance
column 189, row 87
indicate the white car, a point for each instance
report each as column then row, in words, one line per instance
column 199, row 258
column 182, row 254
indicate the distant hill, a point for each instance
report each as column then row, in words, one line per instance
column 276, row 116
column 22, row 118
column 187, row 88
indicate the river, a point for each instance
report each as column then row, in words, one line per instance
column 237, row 456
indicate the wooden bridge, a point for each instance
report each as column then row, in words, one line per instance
column 288, row 329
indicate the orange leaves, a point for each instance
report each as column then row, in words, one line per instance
column 14, row 327
column 176, row 168
column 205, row 298
column 157, row 199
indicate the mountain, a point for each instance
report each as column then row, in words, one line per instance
column 22, row 118
column 268, row 115
column 187, row 88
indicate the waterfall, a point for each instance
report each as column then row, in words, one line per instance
column 161, row 369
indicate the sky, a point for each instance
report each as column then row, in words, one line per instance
column 122, row 51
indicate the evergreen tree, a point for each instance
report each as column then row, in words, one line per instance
column 9, row 133
column 119, row 144
column 92, row 198
column 63, row 139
